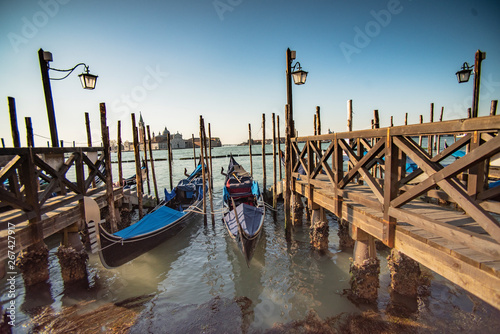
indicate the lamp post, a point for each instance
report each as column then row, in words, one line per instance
column 299, row 77
column 88, row 82
column 464, row 74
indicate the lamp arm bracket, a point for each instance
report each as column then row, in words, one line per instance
column 68, row 70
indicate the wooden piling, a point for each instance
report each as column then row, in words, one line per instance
column 170, row 162
column 119, row 153
column 406, row 118
column 3, row 143
column 264, row 184
column 107, row 164
column 275, row 183
column 194, row 151
column 13, row 122
column 209, row 173
column 349, row 115
column 87, row 127
column 430, row 138
column 138, row 171
column 493, row 108
column 152, row 166
column 279, row 146
column 210, row 159
column 420, row 137
column 145, row 147
column 202, row 161
column 29, row 132
column 250, row 147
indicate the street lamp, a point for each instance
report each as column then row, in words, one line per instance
column 88, row 82
column 464, row 74
column 299, row 76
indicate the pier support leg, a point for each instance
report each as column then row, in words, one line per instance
column 405, row 274
column 345, row 240
column 34, row 264
column 319, row 228
column 72, row 257
column 297, row 209
column 364, row 269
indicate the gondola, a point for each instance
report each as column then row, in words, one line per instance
column 243, row 209
column 165, row 221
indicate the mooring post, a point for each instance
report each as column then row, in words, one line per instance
column 13, row 122
column 275, row 183
column 138, row 172
column 145, row 147
column 209, row 172
column 365, row 267
column 250, row 147
column 319, row 228
column 194, row 151
column 279, row 149
column 202, row 161
column 493, row 108
column 119, row 154
column 430, row 139
column 420, row 137
column 3, row 143
column 107, row 165
column 170, row 162
column 152, row 166
column 264, row 184
column 29, row 132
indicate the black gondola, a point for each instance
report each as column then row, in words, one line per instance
column 243, row 209
column 165, row 221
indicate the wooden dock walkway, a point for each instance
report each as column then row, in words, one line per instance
column 362, row 178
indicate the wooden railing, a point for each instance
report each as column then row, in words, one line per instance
column 378, row 159
column 28, row 178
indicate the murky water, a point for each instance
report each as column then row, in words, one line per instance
column 199, row 282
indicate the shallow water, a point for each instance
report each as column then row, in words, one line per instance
column 199, row 282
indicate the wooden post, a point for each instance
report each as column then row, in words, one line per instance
column 49, row 102
column 420, row 137
column 209, row 172
column 275, row 183
column 376, row 119
column 170, row 162
column 107, row 164
column 430, row 138
column 493, row 108
column 87, row 126
column 349, row 115
column 13, row 122
column 392, row 121
column 145, row 147
column 152, row 166
column 264, row 184
column 119, row 153
column 202, row 161
column 391, row 191
column 3, row 143
column 194, row 151
column 250, row 147
column 279, row 146
column 138, row 171
column 29, row 132
column 406, row 118
column 288, row 170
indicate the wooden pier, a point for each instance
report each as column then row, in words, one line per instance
column 40, row 199
column 362, row 178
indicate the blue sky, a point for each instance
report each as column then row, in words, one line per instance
column 225, row 60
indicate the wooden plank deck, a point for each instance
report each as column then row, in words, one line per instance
column 52, row 221
column 446, row 241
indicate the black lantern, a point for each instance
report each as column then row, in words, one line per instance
column 88, row 80
column 299, row 76
column 464, row 74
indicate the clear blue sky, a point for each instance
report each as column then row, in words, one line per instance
column 225, row 60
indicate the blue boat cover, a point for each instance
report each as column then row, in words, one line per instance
column 163, row 216
column 248, row 216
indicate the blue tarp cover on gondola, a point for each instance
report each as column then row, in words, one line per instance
column 163, row 216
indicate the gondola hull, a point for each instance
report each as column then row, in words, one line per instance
column 114, row 251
